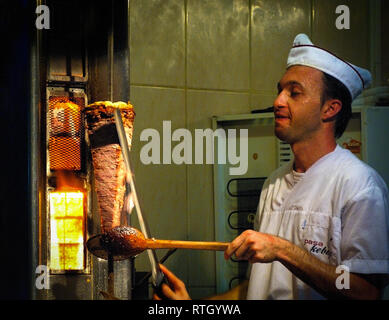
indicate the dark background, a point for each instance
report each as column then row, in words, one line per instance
column 15, row 27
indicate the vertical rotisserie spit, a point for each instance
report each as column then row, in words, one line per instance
column 108, row 164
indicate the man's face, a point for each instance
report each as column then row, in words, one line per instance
column 298, row 104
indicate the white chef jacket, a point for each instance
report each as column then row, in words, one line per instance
column 337, row 210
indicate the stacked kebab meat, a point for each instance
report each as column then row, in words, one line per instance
column 108, row 163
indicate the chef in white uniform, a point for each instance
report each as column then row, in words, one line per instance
column 322, row 224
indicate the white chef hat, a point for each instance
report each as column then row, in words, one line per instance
column 305, row 53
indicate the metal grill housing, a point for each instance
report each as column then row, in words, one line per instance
column 65, row 132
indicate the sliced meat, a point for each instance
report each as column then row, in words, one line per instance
column 108, row 164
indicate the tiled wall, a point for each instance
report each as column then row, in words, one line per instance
column 385, row 42
column 193, row 59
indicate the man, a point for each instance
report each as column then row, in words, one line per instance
column 324, row 212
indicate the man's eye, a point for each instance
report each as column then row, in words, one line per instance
column 294, row 93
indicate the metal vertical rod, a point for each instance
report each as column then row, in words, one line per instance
column 111, row 276
column 111, row 54
column 34, row 168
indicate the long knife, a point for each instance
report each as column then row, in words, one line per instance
column 156, row 273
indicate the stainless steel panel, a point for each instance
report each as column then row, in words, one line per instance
column 65, row 287
column 66, row 42
column 122, row 279
column 37, row 170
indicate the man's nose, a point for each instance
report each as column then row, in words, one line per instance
column 280, row 101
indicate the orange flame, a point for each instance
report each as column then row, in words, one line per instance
column 68, row 180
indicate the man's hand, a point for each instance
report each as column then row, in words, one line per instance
column 177, row 289
column 254, row 247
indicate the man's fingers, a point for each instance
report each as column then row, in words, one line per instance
column 155, row 297
column 176, row 289
column 173, row 280
column 233, row 246
column 243, row 252
column 168, row 292
column 248, row 255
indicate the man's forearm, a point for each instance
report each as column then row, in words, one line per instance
column 321, row 276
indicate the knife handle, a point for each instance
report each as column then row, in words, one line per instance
column 179, row 244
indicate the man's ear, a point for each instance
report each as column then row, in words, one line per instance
column 330, row 109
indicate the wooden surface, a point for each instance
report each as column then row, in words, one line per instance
column 196, row 245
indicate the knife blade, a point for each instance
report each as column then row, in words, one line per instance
column 157, row 274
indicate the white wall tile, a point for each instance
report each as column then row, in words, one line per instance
column 218, row 44
column 161, row 188
column 202, row 105
column 351, row 45
column 385, row 45
column 263, row 101
column 274, row 26
column 157, row 42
